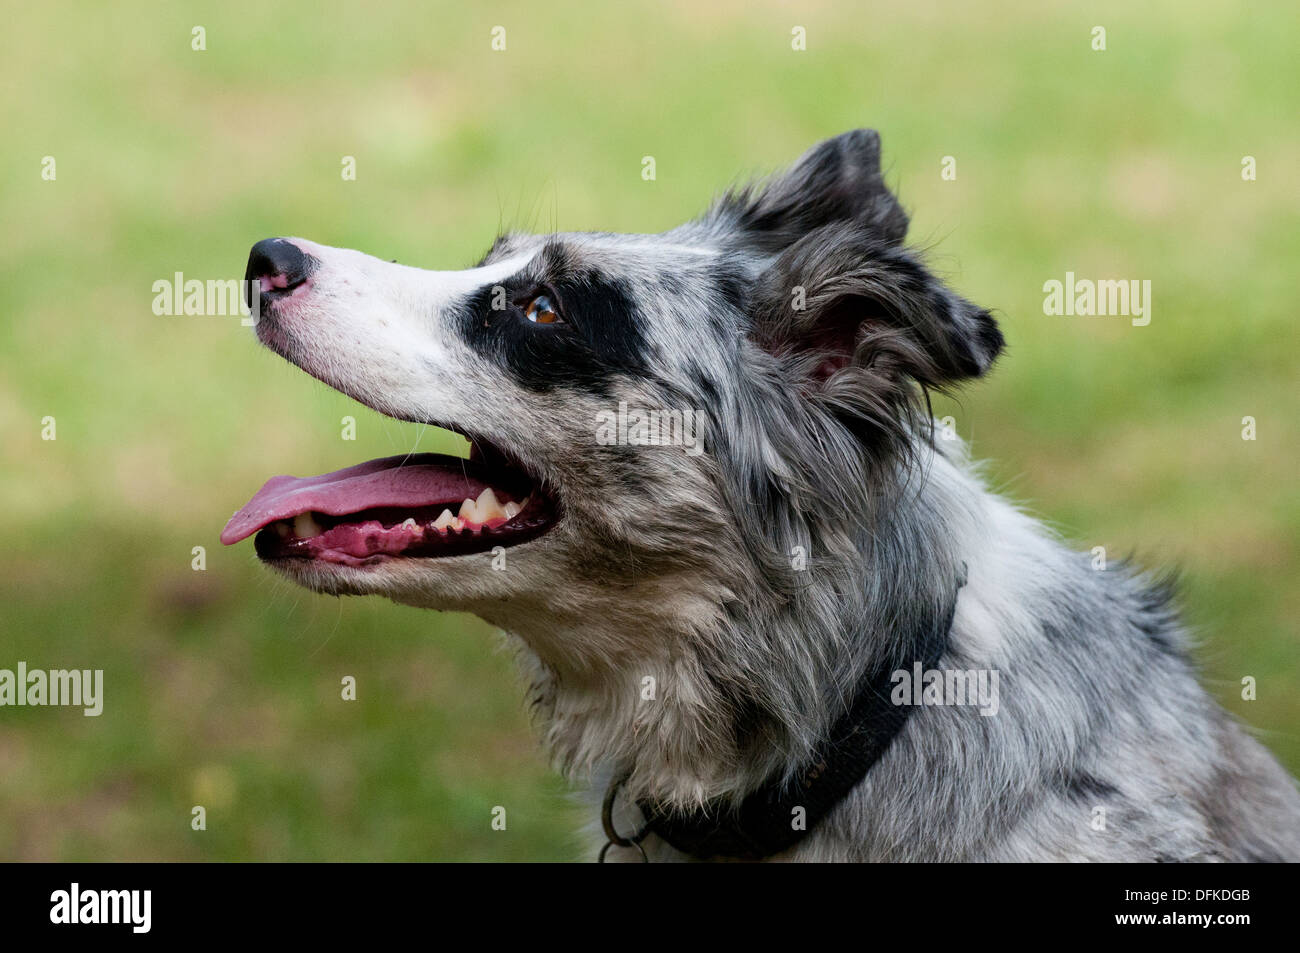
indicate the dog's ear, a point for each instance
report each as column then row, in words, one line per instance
column 843, row 307
column 837, row 180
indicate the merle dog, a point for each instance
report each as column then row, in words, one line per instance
column 821, row 638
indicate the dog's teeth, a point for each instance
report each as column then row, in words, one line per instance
column 469, row 512
column 408, row 524
column 511, row 510
column 458, row 524
column 488, row 506
column 282, row 528
column 444, row 520
column 305, row 526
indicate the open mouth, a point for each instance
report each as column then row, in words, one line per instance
column 415, row 505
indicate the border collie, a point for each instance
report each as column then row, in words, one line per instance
column 764, row 610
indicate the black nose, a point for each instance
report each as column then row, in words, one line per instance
column 283, row 263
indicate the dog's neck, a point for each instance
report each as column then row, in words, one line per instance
column 702, row 688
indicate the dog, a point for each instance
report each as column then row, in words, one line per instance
column 748, row 582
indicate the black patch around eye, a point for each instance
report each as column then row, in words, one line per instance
column 600, row 336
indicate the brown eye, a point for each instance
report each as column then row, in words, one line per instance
column 541, row 310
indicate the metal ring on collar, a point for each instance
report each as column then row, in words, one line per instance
column 612, row 835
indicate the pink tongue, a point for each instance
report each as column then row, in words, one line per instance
column 421, row 479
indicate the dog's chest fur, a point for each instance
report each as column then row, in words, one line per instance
column 1103, row 746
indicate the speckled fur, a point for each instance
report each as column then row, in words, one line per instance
column 681, row 568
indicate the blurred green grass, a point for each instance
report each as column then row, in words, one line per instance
column 222, row 687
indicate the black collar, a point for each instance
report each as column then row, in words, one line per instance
column 763, row 824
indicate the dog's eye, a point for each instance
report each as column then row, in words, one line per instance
column 541, row 310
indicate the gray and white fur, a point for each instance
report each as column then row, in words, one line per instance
column 793, row 315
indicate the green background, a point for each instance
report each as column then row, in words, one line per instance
column 223, row 686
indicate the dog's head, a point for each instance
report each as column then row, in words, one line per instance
column 651, row 414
